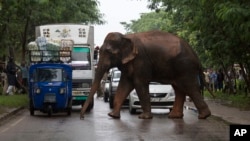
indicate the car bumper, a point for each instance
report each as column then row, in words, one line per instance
column 162, row 103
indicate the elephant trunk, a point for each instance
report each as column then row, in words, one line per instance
column 96, row 84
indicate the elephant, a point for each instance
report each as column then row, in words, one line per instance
column 152, row 56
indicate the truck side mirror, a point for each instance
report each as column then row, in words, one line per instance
column 96, row 52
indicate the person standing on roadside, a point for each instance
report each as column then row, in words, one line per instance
column 213, row 80
column 220, row 80
column 206, row 74
column 24, row 73
column 11, row 75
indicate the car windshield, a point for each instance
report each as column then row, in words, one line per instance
column 44, row 75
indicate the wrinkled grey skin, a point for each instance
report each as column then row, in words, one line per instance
column 150, row 56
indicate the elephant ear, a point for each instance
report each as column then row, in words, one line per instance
column 129, row 50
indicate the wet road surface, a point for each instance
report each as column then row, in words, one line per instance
column 97, row 126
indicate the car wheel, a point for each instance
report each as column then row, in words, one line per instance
column 132, row 110
column 170, row 109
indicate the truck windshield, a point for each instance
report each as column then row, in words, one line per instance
column 117, row 75
column 81, row 54
column 48, row 75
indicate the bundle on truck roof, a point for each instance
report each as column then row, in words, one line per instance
column 48, row 51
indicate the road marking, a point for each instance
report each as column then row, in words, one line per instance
column 12, row 125
column 4, row 130
column 15, row 123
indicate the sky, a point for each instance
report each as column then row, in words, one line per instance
column 116, row 11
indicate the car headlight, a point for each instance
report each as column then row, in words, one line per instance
column 62, row 90
column 37, row 90
column 172, row 93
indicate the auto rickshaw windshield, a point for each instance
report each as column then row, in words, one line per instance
column 48, row 75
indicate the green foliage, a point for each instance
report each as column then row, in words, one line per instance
column 14, row 101
column 218, row 30
column 18, row 19
column 152, row 21
column 239, row 100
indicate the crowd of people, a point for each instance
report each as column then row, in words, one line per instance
column 214, row 79
column 217, row 81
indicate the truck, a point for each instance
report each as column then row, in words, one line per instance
column 79, row 39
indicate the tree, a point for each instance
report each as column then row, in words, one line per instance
column 218, row 30
column 19, row 18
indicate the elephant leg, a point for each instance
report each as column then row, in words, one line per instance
column 123, row 90
column 200, row 104
column 143, row 94
column 177, row 111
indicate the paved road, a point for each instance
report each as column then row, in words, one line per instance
column 97, row 126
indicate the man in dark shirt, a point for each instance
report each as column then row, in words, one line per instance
column 11, row 75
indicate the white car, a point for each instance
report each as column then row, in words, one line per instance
column 161, row 96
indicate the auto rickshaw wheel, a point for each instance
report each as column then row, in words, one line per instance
column 49, row 110
column 32, row 110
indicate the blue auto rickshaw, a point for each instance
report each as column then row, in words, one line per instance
column 50, row 88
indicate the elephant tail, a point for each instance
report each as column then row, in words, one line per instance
column 203, row 83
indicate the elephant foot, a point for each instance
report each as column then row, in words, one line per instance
column 175, row 115
column 113, row 115
column 145, row 116
column 204, row 114
column 82, row 114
